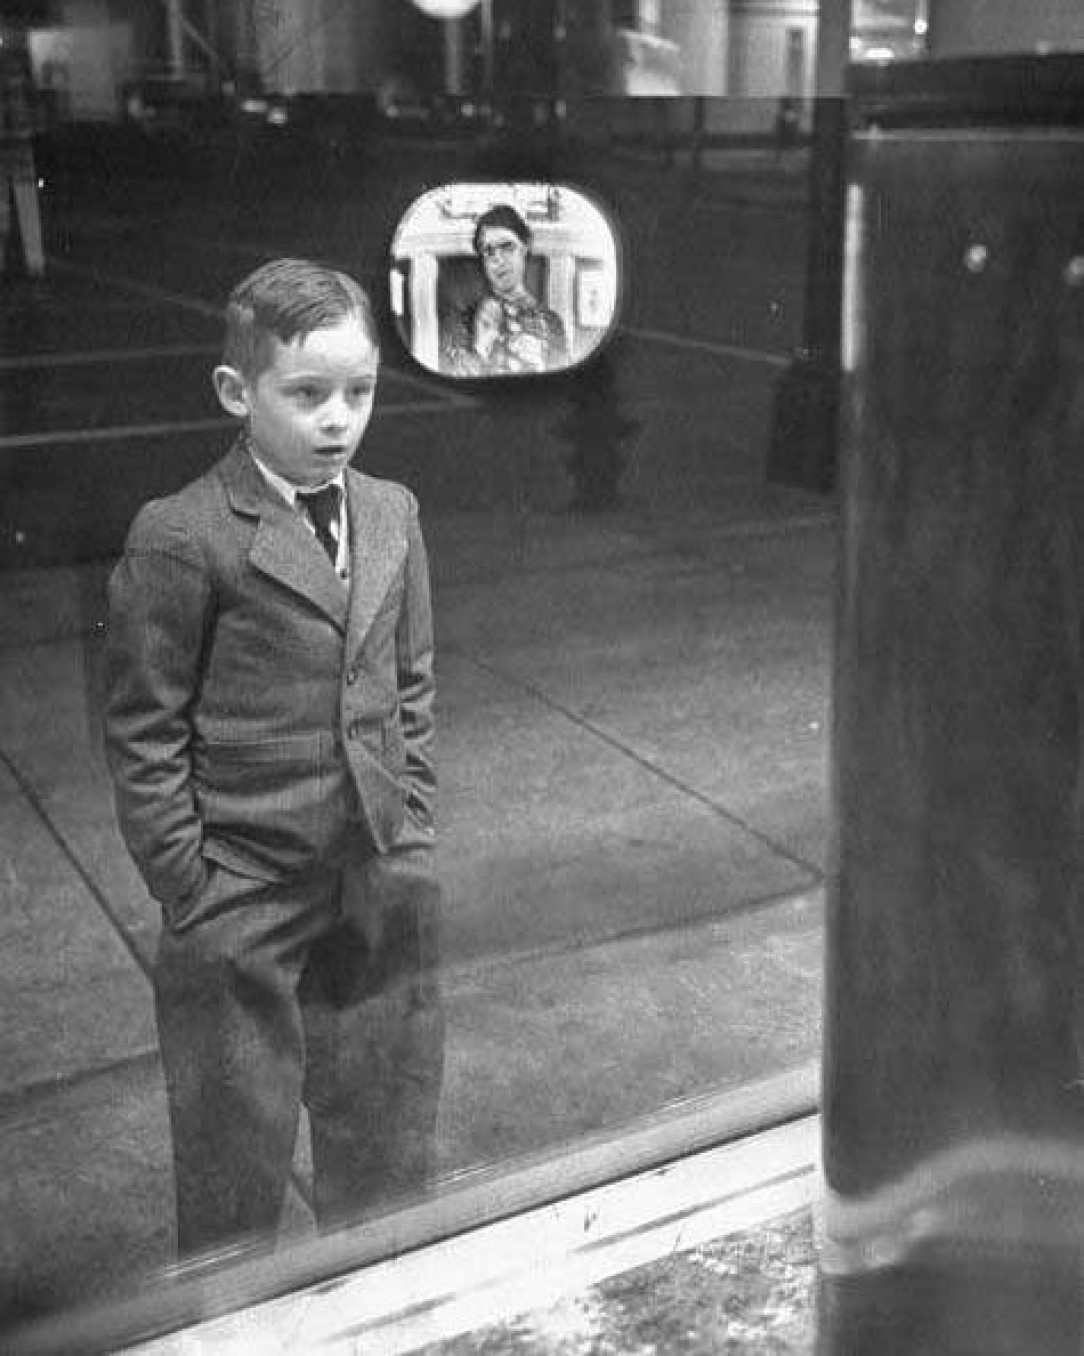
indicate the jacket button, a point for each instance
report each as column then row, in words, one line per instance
column 353, row 730
column 351, row 676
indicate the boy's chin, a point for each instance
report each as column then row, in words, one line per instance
column 324, row 464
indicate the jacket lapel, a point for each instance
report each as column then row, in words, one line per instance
column 282, row 548
column 377, row 544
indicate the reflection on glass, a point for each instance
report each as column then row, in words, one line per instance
column 284, row 820
column 619, row 929
column 498, row 280
column 889, row 30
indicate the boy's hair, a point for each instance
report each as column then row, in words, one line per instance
column 284, row 299
column 503, row 216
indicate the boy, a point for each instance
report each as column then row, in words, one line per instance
column 270, row 736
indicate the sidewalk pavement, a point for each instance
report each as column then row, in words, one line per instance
column 673, row 773
column 633, row 712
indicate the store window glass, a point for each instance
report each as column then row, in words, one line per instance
column 629, row 633
column 625, row 666
column 630, row 636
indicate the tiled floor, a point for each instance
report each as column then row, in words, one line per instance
column 633, row 726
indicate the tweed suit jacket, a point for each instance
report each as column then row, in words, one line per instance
column 259, row 711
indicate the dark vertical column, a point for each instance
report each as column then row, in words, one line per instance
column 805, row 427
column 953, row 1096
column 525, row 53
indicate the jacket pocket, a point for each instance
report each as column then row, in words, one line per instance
column 277, row 802
column 221, row 891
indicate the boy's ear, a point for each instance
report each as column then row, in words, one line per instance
column 231, row 390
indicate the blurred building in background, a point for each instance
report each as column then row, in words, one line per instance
column 86, row 53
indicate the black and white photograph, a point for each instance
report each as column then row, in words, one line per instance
column 541, row 677
column 504, row 280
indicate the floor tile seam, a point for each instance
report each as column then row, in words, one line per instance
column 74, row 861
column 89, row 357
column 723, row 352
column 469, row 969
column 152, row 291
column 695, row 553
column 69, row 854
column 72, row 437
column 736, row 821
column 55, row 641
column 26, row 1102
column 718, row 349
column 175, row 428
column 443, row 397
column 525, row 571
column 92, row 226
column 255, row 249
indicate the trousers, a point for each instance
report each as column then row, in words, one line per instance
column 319, row 991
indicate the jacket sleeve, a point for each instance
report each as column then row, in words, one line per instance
column 160, row 600
column 415, row 673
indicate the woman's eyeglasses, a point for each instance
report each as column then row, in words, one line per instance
column 499, row 249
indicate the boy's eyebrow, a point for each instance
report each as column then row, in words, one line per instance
column 297, row 380
column 314, row 374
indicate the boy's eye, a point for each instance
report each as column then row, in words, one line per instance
column 362, row 390
column 308, row 394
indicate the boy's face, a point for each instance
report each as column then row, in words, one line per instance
column 308, row 408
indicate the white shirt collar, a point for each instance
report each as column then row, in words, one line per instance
column 289, row 492
column 286, row 488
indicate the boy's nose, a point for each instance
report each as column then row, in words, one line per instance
column 336, row 414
